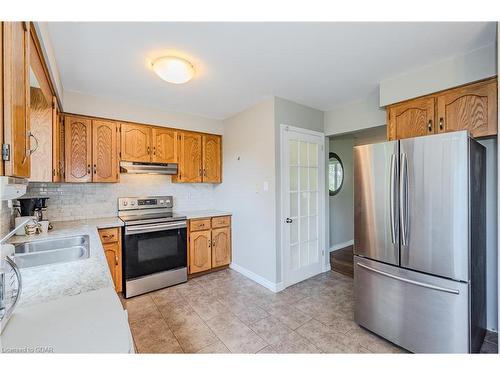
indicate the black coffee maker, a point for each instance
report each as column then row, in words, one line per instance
column 32, row 206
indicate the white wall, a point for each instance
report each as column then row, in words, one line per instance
column 50, row 58
column 84, row 104
column 353, row 116
column 294, row 114
column 448, row 73
column 249, row 162
column 342, row 204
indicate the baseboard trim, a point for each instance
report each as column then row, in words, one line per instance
column 274, row 287
column 341, row 245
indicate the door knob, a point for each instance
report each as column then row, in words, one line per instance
column 288, row 220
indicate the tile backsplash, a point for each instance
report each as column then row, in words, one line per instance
column 86, row 201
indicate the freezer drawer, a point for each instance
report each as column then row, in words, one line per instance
column 421, row 313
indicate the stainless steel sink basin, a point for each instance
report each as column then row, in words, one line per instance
column 57, row 250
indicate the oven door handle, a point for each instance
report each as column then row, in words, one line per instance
column 154, row 228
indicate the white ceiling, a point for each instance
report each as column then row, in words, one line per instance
column 317, row 64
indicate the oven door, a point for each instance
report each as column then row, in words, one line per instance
column 152, row 248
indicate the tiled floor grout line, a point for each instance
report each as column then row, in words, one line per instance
column 168, row 325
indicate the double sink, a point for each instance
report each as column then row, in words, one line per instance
column 57, row 250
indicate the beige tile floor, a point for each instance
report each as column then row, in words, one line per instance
column 225, row 312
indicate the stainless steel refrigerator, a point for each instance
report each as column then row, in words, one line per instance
column 420, row 242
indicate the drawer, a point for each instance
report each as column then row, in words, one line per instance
column 109, row 235
column 221, row 221
column 421, row 313
column 201, row 224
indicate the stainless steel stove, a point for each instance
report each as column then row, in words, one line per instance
column 154, row 244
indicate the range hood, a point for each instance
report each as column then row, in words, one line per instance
column 148, row 168
column 12, row 187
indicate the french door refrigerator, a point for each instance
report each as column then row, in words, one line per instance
column 419, row 242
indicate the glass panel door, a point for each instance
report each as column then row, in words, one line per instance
column 302, row 246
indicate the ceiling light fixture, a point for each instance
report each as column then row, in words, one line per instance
column 173, row 69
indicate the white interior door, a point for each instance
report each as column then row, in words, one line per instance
column 302, row 202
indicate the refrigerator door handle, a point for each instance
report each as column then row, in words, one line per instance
column 403, row 199
column 392, row 199
column 413, row 282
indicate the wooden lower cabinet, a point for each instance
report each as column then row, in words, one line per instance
column 200, row 254
column 221, row 247
column 111, row 242
column 209, row 244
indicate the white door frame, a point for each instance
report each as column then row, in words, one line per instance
column 284, row 195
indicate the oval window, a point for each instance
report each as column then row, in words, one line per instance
column 335, row 174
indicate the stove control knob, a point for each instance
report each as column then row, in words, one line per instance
column 125, row 203
column 162, row 201
column 132, row 203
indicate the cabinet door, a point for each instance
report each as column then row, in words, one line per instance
column 113, row 256
column 411, row 119
column 78, row 149
column 104, row 151
column 56, row 143
column 16, row 97
column 135, row 142
column 221, row 247
column 472, row 107
column 190, row 158
column 200, row 256
column 164, row 145
column 212, row 166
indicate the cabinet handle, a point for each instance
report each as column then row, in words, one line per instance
column 441, row 123
column 154, row 150
column 149, row 150
column 106, row 236
column 204, row 172
column 116, row 260
column 32, row 150
column 95, row 169
column 429, row 125
column 200, row 172
column 88, row 169
column 213, row 243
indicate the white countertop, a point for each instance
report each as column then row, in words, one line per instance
column 203, row 213
column 92, row 322
column 70, row 307
column 46, row 283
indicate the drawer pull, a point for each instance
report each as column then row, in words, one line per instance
column 418, row 283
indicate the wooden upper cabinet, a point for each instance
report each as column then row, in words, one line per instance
column 411, row 119
column 190, row 166
column 104, row 151
column 164, row 145
column 57, row 152
column 16, row 97
column 135, row 142
column 200, row 256
column 472, row 107
column 221, row 247
column 212, row 165
column 78, row 149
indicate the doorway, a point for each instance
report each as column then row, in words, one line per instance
column 302, row 202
